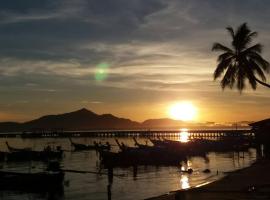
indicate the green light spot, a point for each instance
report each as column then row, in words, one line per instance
column 101, row 71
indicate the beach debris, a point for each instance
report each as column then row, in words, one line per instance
column 66, row 183
column 206, row 171
column 54, row 166
column 189, row 171
column 252, row 189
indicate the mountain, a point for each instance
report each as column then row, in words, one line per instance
column 82, row 119
column 10, row 127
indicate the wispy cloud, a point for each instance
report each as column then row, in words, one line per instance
column 156, row 50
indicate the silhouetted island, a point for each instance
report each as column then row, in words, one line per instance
column 84, row 119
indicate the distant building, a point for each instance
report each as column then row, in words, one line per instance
column 262, row 129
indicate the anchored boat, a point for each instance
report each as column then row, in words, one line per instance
column 95, row 146
column 27, row 154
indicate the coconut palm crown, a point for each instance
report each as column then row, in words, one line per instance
column 242, row 61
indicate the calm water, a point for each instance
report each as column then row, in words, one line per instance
column 150, row 181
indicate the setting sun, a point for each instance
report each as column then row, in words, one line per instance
column 183, row 111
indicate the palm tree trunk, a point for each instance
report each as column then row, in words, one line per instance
column 262, row 83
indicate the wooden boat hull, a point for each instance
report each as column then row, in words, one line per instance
column 31, row 155
column 12, row 149
column 85, row 147
column 82, row 147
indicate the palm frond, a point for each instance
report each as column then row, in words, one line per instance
column 241, row 75
column 265, row 65
column 248, row 69
column 225, row 56
column 242, row 39
column 255, row 67
column 222, row 66
column 248, row 37
column 229, row 77
column 231, row 31
column 220, row 47
column 257, row 48
column 253, row 34
column 252, row 82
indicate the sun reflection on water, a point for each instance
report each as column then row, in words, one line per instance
column 184, row 135
column 184, row 182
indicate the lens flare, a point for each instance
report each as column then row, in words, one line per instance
column 101, row 71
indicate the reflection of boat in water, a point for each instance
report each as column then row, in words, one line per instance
column 31, row 155
column 31, row 182
column 139, row 157
column 95, row 146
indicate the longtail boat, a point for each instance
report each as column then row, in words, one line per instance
column 95, row 146
column 27, row 154
column 140, row 145
column 157, row 142
column 78, row 147
column 147, row 155
column 12, row 149
column 32, row 155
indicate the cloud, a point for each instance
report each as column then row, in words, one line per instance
column 91, row 102
column 156, row 50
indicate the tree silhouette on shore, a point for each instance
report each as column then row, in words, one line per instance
column 242, row 61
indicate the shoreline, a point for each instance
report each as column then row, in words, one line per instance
column 246, row 183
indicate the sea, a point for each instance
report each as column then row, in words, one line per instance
column 148, row 181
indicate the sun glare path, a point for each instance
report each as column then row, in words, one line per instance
column 184, row 135
column 184, row 181
column 184, row 111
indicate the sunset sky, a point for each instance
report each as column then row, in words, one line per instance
column 131, row 58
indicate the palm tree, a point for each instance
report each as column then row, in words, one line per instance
column 242, row 61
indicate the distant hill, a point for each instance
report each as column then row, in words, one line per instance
column 10, row 127
column 84, row 119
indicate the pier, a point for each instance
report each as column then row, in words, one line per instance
column 130, row 133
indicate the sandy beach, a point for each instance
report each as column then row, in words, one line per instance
column 249, row 183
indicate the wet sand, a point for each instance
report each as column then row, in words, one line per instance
column 249, row 183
